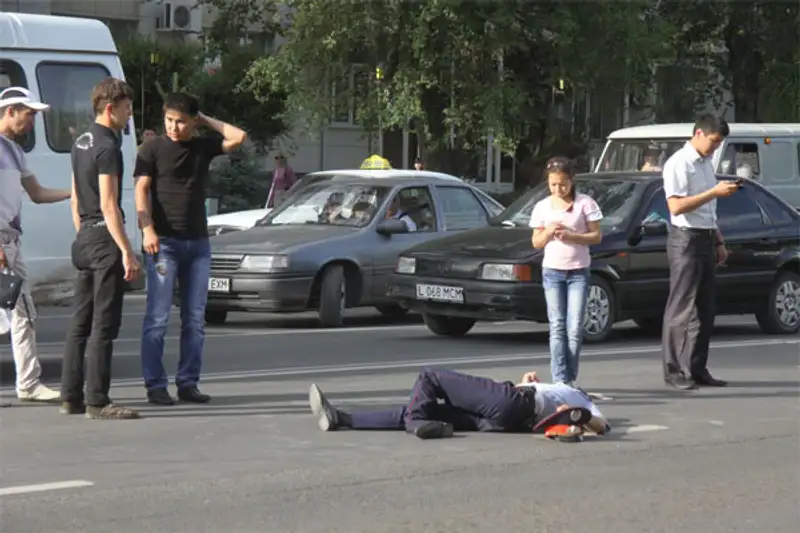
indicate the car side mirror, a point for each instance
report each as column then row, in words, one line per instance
column 391, row 226
column 654, row 229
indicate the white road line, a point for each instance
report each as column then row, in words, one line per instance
column 42, row 487
column 643, row 428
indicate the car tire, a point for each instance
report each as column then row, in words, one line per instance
column 332, row 296
column 600, row 311
column 780, row 314
column 651, row 325
column 449, row 326
column 216, row 317
column 391, row 310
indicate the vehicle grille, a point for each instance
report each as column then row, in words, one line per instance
column 225, row 263
column 447, row 268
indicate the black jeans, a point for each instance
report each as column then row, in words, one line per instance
column 97, row 313
column 690, row 310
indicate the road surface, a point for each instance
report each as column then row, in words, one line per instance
column 254, row 460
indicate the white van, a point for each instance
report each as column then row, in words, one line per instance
column 59, row 59
column 770, row 153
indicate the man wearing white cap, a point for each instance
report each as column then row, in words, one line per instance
column 18, row 108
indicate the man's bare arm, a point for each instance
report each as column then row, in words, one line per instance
column 142, row 197
column 43, row 195
column 109, row 193
column 73, row 205
column 233, row 137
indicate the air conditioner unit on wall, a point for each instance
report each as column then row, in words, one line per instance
column 178, row 16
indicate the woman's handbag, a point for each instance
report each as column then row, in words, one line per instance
column 10, row 289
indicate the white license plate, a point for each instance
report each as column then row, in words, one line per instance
column 219, row 285
column 440, row 292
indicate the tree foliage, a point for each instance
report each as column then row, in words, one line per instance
column 441, row 62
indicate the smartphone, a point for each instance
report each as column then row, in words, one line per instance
column 739, row 183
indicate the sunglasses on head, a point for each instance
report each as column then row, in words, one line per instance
column 559, row 164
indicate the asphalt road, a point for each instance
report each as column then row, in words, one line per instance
column 253, row 460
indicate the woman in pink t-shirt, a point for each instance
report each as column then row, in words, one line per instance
column 565, row 224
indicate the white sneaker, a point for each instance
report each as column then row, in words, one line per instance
column 40, row 393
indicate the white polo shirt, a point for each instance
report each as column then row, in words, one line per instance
column 687, row 173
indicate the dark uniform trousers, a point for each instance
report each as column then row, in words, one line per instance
column 470, row 403
column 97, row 309
column 690, row 309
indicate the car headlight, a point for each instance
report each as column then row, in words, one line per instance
column 406, row 265
column 264, row 263
column 505, row 272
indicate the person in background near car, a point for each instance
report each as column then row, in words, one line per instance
column 694, row 247
column 146, row 136
column 282, row 180
column 172, row 176
column 418, row 164
column 18, row 108
column 565, row 224
column 101, row 253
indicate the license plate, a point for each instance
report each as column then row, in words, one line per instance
column 219, row 285
column 440, row 292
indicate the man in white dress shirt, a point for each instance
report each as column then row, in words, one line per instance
column 695, row 247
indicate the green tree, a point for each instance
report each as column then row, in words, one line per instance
column 148, row 65
column 441, row 59
column 752, row 44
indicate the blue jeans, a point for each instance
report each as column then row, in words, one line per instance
column 566, row 292
column 187, row 261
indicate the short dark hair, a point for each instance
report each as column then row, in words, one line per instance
column 182, row 103
column 711, row 124
column 110, row 91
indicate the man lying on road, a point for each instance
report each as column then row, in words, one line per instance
column 471, row 403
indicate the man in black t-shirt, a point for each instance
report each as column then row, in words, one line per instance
column 102, row 254
column 172, row 177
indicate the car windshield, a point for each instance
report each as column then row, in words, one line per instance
column 329, row 203
column 616, row 198
column 638, row 155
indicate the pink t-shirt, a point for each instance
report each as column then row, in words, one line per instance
column 561, row 255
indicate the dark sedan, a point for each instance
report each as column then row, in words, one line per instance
column 334, row 244
column 495, row 274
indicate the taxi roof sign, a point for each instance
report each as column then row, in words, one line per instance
column 376, row 162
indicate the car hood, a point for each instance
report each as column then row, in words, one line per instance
column 487, row 243
column 278, row 239
column 240, row 219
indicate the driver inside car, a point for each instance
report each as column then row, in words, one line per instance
column 469, row 403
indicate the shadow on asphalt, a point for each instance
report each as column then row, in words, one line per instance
column 305, row 322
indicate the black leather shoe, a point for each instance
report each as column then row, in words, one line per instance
column 193, row 395
column 159, row 397
column 680, row 383
column 433, row 430
column 709, row 381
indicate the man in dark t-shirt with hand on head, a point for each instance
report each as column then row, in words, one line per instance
column 172, row 177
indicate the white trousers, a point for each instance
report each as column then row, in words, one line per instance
column 23, row 334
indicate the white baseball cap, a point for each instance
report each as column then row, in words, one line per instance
column 21, row 96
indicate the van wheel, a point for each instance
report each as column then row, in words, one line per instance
column 600, row 311
column 391, row 310
column 216, row 316
column 780, row 314
column 332, row 297
column 449, row 326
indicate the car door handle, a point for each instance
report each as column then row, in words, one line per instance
column 767, row 241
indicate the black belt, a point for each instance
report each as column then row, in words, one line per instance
column 695, row 231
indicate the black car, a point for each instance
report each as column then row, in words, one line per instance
column 494, row 273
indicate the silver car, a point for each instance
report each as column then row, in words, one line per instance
column 333, row 244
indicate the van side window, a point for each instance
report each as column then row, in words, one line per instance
column 745, row 154
column 67, row 87
column 12, row 75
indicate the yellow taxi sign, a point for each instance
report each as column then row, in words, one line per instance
column 376, row 162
